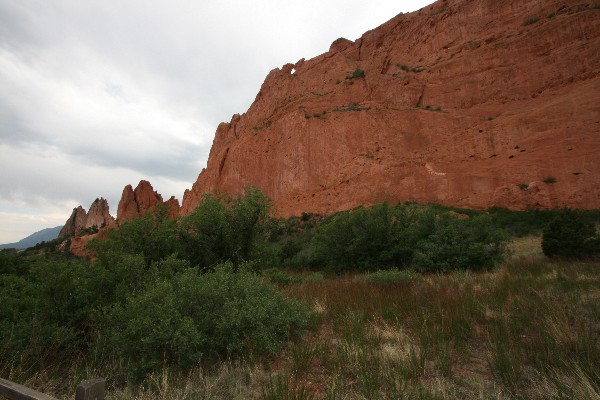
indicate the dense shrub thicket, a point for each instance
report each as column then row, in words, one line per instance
column 404, row 236
column 165, row 292
column 158, row 294
column 148, row 317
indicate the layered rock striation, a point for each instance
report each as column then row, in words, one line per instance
column 470, row 103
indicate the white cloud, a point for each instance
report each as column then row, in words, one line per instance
column 98, row 94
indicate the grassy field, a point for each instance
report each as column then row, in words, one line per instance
column 530, row 329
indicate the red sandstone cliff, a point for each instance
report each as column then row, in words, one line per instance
column 470, row 103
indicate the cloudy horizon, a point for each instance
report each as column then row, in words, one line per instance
column 96, row 95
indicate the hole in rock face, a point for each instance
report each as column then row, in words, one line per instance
column 293, row 71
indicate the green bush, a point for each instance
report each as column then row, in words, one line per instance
column 570, row 235
column 222, row 229
column 384, row 237
column 152, row 236
column 357, row 73
column 206, row 234
column 44, row 312
column 192, row 316
column 530, row 21
column 531, row 222
column 278, row 276
column 358, row 240
column 465, row 244
column 390, row 277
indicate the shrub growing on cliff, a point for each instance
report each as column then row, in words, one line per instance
column 530, row 21
column 570, row 235
column 357, row 73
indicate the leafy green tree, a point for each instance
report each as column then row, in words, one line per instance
column 206, row 234
column 358, row 239
column 223, row 229
column 251, row 213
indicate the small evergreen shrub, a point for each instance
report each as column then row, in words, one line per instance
column 570, row 235
column 314, row 277
column 530, row 21
column 357, row 73
column 350, row 107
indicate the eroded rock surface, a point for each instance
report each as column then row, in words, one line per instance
column 470, row 103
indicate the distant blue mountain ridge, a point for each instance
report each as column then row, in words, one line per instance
column 45, row 235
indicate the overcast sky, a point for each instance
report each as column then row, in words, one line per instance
column 95, row 95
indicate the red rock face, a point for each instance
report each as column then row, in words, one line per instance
column 173, row 207
column 74, row 224
column 99, row 215
column 78, row 244
column 471, row 103
column 128, row 208
column 135, row 203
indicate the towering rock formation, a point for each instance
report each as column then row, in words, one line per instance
column 128, row 208
column 135, row 203
column 173, row 207
column 470, row 103
column 81, row 221
column 82, row 226
column 74, row 224
column 98, row 216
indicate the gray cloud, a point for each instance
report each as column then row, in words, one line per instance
column 98, row 94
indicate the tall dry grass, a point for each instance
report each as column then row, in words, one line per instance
column 529, row 330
